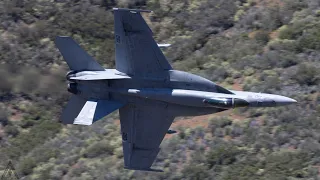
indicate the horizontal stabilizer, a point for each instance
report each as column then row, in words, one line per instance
column 99, row 75
column 164, row 45
column 83, row 112
column 76, row 58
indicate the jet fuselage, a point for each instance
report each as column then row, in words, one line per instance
column 178, row 88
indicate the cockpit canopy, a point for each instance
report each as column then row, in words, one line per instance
column 226, row 103
column 184, row 80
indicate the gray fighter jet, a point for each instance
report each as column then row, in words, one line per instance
column 147, row 91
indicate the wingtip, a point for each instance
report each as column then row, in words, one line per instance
column 131, row 10
column 57, row 38
column 62, row 36
column 141, row 169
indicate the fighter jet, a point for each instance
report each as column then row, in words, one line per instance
column 148, row 92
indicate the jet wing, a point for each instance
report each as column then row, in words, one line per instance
column 137, row 53
column 143, row 126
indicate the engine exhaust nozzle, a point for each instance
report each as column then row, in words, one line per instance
column 72, row 88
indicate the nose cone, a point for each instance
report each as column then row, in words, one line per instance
column 275, row 100
column 282, row 100
column 268, row 100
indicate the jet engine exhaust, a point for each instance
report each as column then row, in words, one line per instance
column 72, row 88
column 226, row 103
column 70, row 74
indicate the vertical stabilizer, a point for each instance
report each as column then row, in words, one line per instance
column 76, row 58
column 136, row 52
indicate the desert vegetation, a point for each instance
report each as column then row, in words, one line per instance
column 270, row 46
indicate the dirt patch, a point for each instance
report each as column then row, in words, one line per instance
column 4, row 36
column 252, row 34
column 2, row 133
column 201, row 121
column 315, row 97
column 237, row 85
column 192, row 122
column 274, row 34
column 117, row 122
column 16, row 115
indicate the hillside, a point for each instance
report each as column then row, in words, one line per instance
column 270, row 46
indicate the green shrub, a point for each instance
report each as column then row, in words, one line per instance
column 195, row 172
column 284, row 44
column 220, row 122
column 26, row 141
column 216, row 126
column 307, row 75
column 7, row 82
column 26, row 166
column 286, row 32
column 262, row 36
column 97, row 149
column 310, row 39
column 11, row 130
column 27, row 123
column 243, row 171
column 285, row 164
column 3, row 117
column 222, row 155
column 29, row 81
column 287, row 59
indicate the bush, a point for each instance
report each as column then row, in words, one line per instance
column 3, row 117
column 286, row 32
column 26, row 166
column 98, row 149
column 285, row 164
column 6, row 80
column 222, row 155
column 285, row 44
column 216, row 126
column 310, row 39
column 28, row 140
column 28, row 81
column 236, row 130
column 27, row 123
column 246, row 170
column 272, row 82
column 262, row 36
column 195, row 171
column 220, row 122
column 307, row 75
column 11, row 130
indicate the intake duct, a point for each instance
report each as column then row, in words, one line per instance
column 226, row 103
